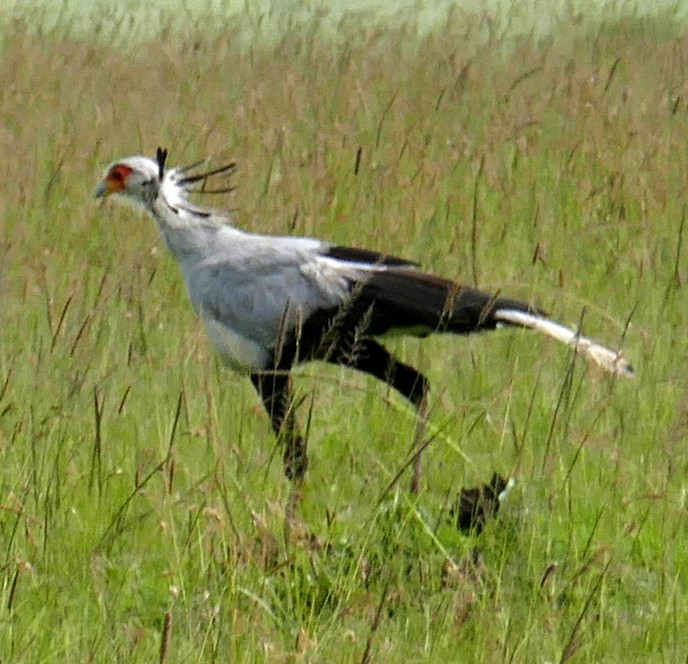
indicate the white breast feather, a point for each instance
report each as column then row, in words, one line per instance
column 237, row 352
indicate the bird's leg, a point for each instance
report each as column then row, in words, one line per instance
column 274, row 388
column 419, row 440
column 372, row 358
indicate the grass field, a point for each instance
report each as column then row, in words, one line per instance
column 141, row 499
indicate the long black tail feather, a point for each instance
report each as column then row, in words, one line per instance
column 417, row 303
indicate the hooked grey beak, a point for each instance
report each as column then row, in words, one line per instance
column 101, row 190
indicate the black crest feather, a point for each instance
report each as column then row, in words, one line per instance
column 161, row 156
column 201, row 179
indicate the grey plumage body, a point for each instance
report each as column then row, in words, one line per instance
column 250, row 289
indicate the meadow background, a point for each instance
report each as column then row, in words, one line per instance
column 141, row 499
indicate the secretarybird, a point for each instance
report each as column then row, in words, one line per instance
column 269, row 303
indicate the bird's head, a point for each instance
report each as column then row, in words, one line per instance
column 139, row 180
column 135, row 179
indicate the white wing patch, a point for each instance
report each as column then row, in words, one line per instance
column 331, row 280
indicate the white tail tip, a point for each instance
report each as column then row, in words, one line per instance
column 611, row 361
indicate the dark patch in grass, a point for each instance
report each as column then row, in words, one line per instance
column 474, row 507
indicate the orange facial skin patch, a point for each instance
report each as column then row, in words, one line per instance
column 117, row 178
